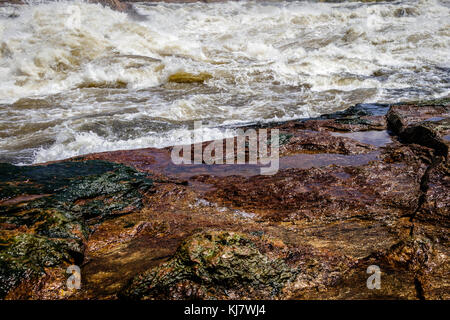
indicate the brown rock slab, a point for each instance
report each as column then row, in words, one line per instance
column 354, row 189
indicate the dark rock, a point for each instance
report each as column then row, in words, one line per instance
column 46, row 210
column 412, row 124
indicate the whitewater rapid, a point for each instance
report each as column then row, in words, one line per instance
column 77, row 78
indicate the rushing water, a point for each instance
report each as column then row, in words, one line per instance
column 77, row 78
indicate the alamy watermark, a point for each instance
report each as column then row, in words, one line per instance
column 252, row 145
column 374, row 281
column 74, row 281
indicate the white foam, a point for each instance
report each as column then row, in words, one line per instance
column 268, row 61
column 69, row 144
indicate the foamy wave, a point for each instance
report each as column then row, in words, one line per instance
column 70, row 144
column 52, row 47
column 77, row 67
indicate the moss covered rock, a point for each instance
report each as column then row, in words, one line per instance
column 216, row 264
column 45, row 212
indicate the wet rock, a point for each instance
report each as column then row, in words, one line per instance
column 316, row 141
column 427, row 123
column 367, row 186
column 361, row 117
column 113, row 4
column 381, row 188
column 435, row 208
column 333, row 221
column 23, row 257
column 90, row 189
column 406, row 12
column 45, row 212
column 421, row 124
column 213, row 265
column 185, row 77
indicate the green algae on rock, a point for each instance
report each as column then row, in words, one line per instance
column 45, row 212
column 213, row 264
column 24, row 257
column 87, row 189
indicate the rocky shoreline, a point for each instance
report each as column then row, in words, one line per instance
column 366, row 186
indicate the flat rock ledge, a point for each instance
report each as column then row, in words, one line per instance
column 366, row 186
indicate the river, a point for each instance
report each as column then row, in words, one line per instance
column 77, row 78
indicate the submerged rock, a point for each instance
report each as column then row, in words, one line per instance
column 185, row 77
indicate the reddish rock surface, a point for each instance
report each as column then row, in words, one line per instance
column 349, row 194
